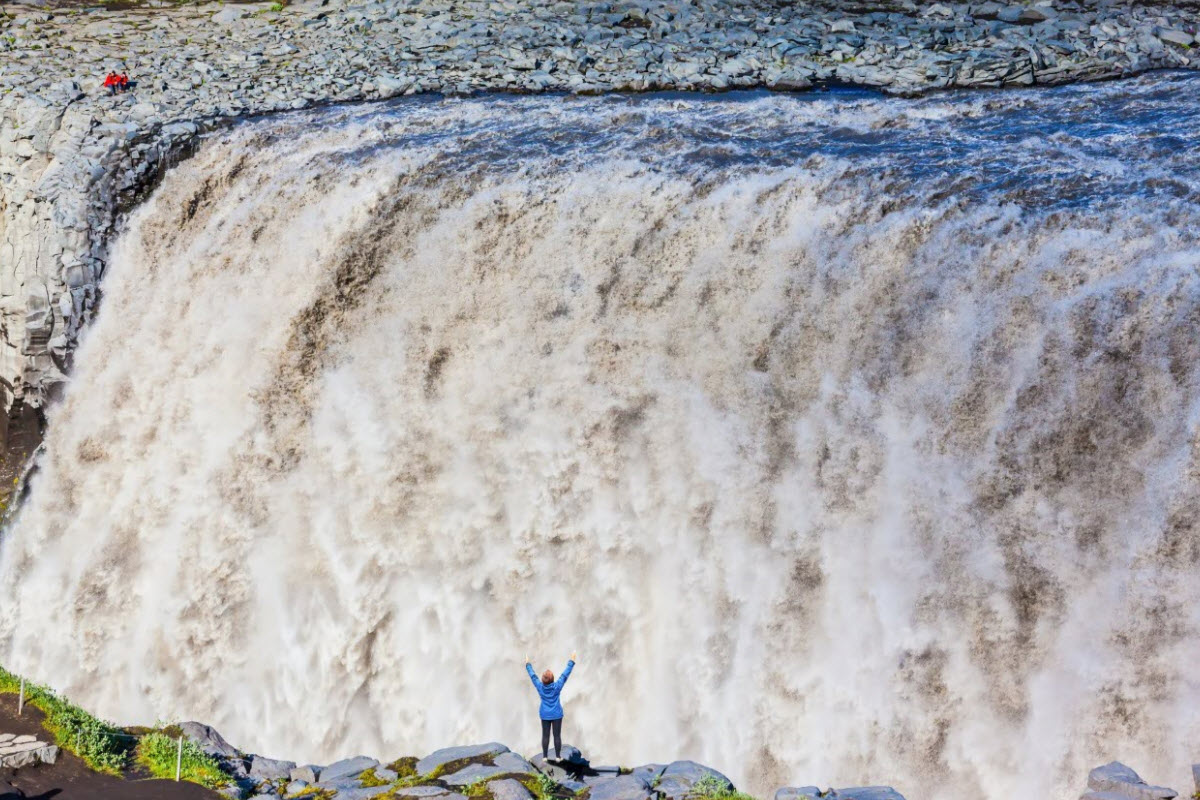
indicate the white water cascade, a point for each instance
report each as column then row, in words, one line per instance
column 849, row 440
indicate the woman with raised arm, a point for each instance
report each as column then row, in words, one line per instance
column 551, row 710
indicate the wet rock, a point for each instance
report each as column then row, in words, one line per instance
column 679, row 777
column 649, row 772
column 439, row 758
column 309, row 773
column 269, row 769
column 345, row 770
column 865, row 793
column 472, row 773
column 361, row 793
column 622, row 787
column 797, row 793
column 209, row 741
column 508, row 789
column 1176, row 37
column 1121, row 780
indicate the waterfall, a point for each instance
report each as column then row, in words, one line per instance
column 848, row 439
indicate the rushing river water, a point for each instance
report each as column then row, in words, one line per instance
column 849, row 439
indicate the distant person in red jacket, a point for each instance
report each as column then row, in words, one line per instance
column 123, row 82
column 111, row 82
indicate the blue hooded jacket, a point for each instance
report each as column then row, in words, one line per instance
column 551, row 708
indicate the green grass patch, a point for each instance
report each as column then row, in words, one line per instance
column 713, row 788
column 542, row 786
column 99, row 743
column 157, row 752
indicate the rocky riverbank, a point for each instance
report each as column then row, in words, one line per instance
column 73, row 158
column 494, row 772
column 490, row 771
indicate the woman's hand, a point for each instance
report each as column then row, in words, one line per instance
column 527, row 661
column 572, row 656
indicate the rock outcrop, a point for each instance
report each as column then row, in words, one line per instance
column 491, row 771
column 73, row 158
column 1115, row 781
column 25, row 751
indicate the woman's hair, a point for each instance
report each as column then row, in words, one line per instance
column 547, row 677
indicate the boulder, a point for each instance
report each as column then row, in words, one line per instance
column 797, row 793
column 1176, row 37
column 270, row 769
column 296, row 787
column 556, row 772
column 514, row 764
column 1103, row 796
column 472, row 773
column 509, row 789
column 1196, row 776
column 361, row 792
column 1118, row 778
column 308, row 773
column 424, row 791
column 446, row 755
column 679, row 777
column 209, row 741
column 622, row 787
column 649, row 772
column 228, row 16
column 867, row 793
column 346, row 770
column 26, row 751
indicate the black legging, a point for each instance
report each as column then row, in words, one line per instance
column 547, row 724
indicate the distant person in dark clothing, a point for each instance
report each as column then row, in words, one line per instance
column 551, row 710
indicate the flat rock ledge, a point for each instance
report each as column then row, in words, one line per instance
column 488, row 771
column 25, row 751
column 73, row 158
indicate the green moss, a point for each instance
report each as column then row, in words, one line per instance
column 313, row 793
column 478, row 789
column 369, row 778
column 404, row 767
